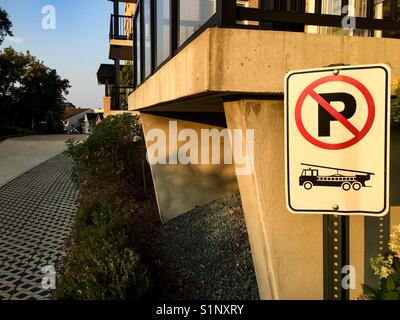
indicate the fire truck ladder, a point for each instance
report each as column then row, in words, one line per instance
column 337, row 169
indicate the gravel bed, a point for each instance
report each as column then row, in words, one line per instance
column 208, row 254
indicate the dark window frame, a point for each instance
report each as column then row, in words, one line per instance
column 152, row 23
column 137, row 52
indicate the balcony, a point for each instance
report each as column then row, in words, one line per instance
column 119, row 98
column 121, row 37
column 163, row 29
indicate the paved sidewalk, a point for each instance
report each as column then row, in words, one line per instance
column 36, row 216
column 17, row 155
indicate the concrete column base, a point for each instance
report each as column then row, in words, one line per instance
column 180, row 188
column 287, row 249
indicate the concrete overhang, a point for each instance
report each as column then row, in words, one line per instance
column 106, row 74
column 224, row 61
column 121, row 49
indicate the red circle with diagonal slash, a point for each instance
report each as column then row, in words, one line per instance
column 358, row 135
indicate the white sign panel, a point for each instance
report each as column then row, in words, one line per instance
column 337, row 124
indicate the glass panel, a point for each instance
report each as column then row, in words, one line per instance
column 138, row 57
column 361, row 10
column 387, row 9
column 388, row 12
column 147, row 38
column 192, row 15
column 163, row 31
column 398, row 9
column 334, row 7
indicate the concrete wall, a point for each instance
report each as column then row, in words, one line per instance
column 287, row 249
column 217, row 62
column 180, row 188
column 108, row 112
column 106, row 105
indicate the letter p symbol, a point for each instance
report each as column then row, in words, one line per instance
column 325, row 118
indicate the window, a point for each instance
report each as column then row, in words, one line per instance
column 388, row 9
column 242, row 4
column 192, row 15
column 334, row 7
column 147, row 38
column 138, row 52
column 163, row 30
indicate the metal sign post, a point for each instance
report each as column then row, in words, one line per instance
column 336, row 256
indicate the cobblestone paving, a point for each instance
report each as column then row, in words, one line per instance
column 36, row 216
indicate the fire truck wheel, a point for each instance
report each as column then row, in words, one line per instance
column 357, row 186
column 346, row 186
column 308, row 185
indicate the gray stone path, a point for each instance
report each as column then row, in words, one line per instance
column 36, row 216
column 18, row 155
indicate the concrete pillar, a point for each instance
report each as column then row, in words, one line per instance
column 287, row 249
column 107, row 105
column 180, row 188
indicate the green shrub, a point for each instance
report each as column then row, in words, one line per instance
column 101, row 264
column 396, row 104
column 110, row 149
column 97, row 220
column 387, row 268
column 15, row 131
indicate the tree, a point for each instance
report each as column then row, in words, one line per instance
column 13, row 66
column 41, row 99
column 126, row 76
column 5, row 25
column 31, row 94
column 69, row 105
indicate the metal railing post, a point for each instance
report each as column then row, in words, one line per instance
column 174, row 26
column 318, row 6
column 142, row 42
column 226, row 13
column 116, row 14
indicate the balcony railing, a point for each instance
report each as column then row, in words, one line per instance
column 163, row 28
column 119, row 97
column 121, row 27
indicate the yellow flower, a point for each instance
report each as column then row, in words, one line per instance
column 396, row 85
column 394, row 243
column 367, row 297
column 383, row 267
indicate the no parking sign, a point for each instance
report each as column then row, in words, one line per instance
column 337, row 133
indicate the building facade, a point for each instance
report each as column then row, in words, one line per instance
column 117, row 77
column 220, row 64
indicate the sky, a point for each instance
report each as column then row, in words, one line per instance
column 75, row 48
